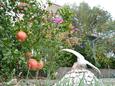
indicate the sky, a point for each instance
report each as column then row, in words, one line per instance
column 108, row 5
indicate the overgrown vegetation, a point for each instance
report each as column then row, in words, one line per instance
column 46, row 38
column 41, row 37
column 97, row 32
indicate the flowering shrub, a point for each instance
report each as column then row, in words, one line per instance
column 26, row 33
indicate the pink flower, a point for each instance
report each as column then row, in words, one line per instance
column 58, row 20
column 75, row 29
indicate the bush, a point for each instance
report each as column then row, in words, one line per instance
column 41, row 37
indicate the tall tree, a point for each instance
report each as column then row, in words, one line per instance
column 90, row 20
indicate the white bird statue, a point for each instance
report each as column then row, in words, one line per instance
column 79, row 75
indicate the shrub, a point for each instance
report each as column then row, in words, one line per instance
column 31, row 18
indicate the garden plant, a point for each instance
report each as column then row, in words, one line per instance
column 31, row 38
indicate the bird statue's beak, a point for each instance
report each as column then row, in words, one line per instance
column 81, row 58
column 87, row 62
